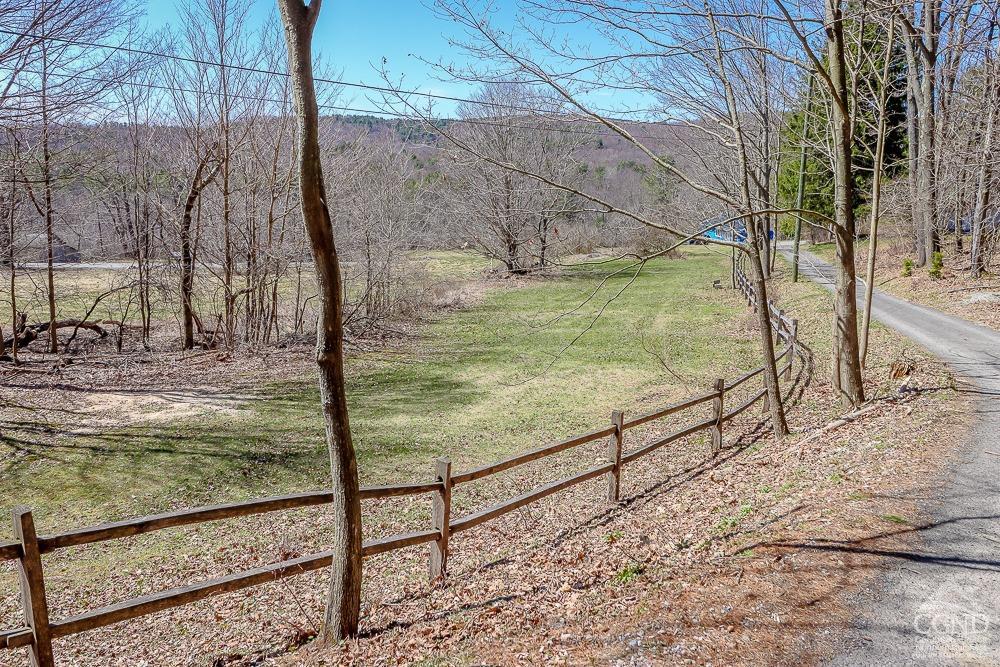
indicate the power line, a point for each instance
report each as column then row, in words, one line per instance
column 241, row 68
column 255, row 70
column 352, row 110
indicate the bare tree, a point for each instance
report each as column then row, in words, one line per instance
column 876, row 197
column 219, row 98
column 704, row 61
column 69, row 82
column 377, row 220
column 124, row 182
column 985, row 174
column 509, row 217
column 343, row 605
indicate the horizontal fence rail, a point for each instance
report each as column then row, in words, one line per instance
column 492, row 512
column 149, row 524
column 669, row 410
column 673, row 437
column 39, row 630
column 10, row 551
column 533, row 455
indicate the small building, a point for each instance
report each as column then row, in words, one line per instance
column 32, row 248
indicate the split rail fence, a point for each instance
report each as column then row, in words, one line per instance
column 40, row 629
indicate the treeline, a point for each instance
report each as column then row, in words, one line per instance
column 172, row 155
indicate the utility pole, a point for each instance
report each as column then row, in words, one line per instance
column 801, row 192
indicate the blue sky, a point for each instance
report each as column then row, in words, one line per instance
column 354, row 36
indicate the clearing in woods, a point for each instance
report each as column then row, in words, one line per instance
column 473, row 383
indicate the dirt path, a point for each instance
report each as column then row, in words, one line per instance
column 939, row 603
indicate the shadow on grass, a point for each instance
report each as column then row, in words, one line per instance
column 278, row 444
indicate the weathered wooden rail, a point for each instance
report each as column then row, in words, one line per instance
column 39, row 629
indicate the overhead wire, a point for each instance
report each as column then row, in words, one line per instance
column 256, row 70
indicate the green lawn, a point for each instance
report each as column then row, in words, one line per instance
column 451, row 264
column 76, row 290
column 498, row 377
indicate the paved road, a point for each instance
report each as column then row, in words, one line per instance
column 940, row 604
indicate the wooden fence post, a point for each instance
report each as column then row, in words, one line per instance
column 36, row 608
column 615, row 456
column 441, row 517
column 766, row 403
column 793, row 337
column 717, row 403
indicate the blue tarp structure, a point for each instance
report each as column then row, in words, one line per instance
column 726, row 231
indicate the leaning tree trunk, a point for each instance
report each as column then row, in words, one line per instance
column 344, row 602
column 198, row 183
column 846, row 370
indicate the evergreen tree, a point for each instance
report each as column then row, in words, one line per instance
column 819, row 178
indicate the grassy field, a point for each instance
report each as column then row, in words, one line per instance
column 527, row 364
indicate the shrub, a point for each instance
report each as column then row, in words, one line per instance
column 786, row 226
column 907, row 267
column 937, row 263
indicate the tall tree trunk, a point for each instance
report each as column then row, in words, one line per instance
column 773, row 225
column 926, row 178
column 11, row 222
column 778, row 422
column 47, row 176
column 876, row 202
column 846, row 373
column 926, row 48
column 913, row 151
column 801, row 189
column 984, row 176
column 752, row 225
column 344, row 602
column 227, row 247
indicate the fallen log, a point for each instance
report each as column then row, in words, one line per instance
column 29, row 334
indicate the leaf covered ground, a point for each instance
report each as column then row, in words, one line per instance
column 954, row 291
